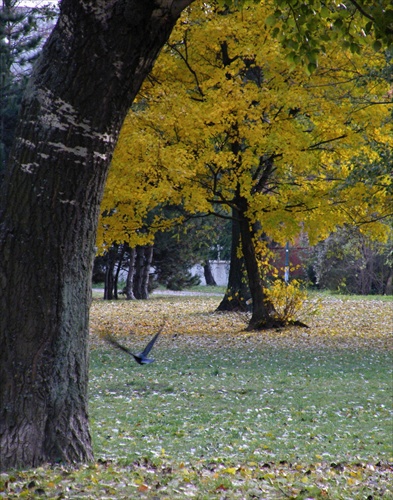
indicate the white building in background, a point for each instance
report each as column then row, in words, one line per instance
column 220, row 271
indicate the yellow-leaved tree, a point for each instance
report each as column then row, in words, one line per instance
column 226, row 126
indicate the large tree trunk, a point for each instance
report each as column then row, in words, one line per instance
column 263, row 316
column 237, row 295
column 91, row 68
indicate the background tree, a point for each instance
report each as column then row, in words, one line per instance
column 349, row 262
column 175, row 252
column 304, row 29
column 22, row 32
column 230, row 128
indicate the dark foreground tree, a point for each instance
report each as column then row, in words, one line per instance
column 83, row 84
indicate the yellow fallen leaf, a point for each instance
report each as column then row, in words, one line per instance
column 229, row 470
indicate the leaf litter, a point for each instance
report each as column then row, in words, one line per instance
column 340, row 323
column 225, row 413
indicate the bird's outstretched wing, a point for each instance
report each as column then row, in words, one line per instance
column 114, row 342
column 140, row 358
column 149, row 346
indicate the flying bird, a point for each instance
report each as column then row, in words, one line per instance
column 140, row 358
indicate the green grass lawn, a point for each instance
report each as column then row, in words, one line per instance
column 237, row 404
column 223, row 413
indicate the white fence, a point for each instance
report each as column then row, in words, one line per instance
column 220, row 271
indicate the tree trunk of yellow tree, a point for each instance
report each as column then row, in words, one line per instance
column 262, row 310
column 237, row 294
column 85, row 81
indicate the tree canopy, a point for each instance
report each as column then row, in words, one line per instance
column 225, row 111
column 226, row 124
column 306, row 28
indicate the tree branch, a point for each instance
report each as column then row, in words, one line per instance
column 362, row 11
column 317, row 144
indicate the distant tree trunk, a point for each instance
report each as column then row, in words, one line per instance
column 109, row 284
column 237, row 293
column 130, row 276
column 81, row 89
column 148, row 254
column 120, row 258
column 139, row 263
column 388, row 289
column 143, row 260
column 207, row 271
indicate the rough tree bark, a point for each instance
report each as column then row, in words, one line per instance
column 237, row 293
column 90, row 70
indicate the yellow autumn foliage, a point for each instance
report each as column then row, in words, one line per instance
column 222, row 101
column 290, row 301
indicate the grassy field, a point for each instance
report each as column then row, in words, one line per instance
column 223, row 413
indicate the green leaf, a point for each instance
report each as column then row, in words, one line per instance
column 338, row 24
column 312, row 56
column 377, row 45
column 368, row 27
column 325, row 12
column 311, row 68
column 271, row 20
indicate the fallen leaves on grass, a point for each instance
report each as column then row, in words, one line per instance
column 351, row 323
column 216, row 424
column 215, row 480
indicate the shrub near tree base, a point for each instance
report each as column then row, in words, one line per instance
column 291, row 302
